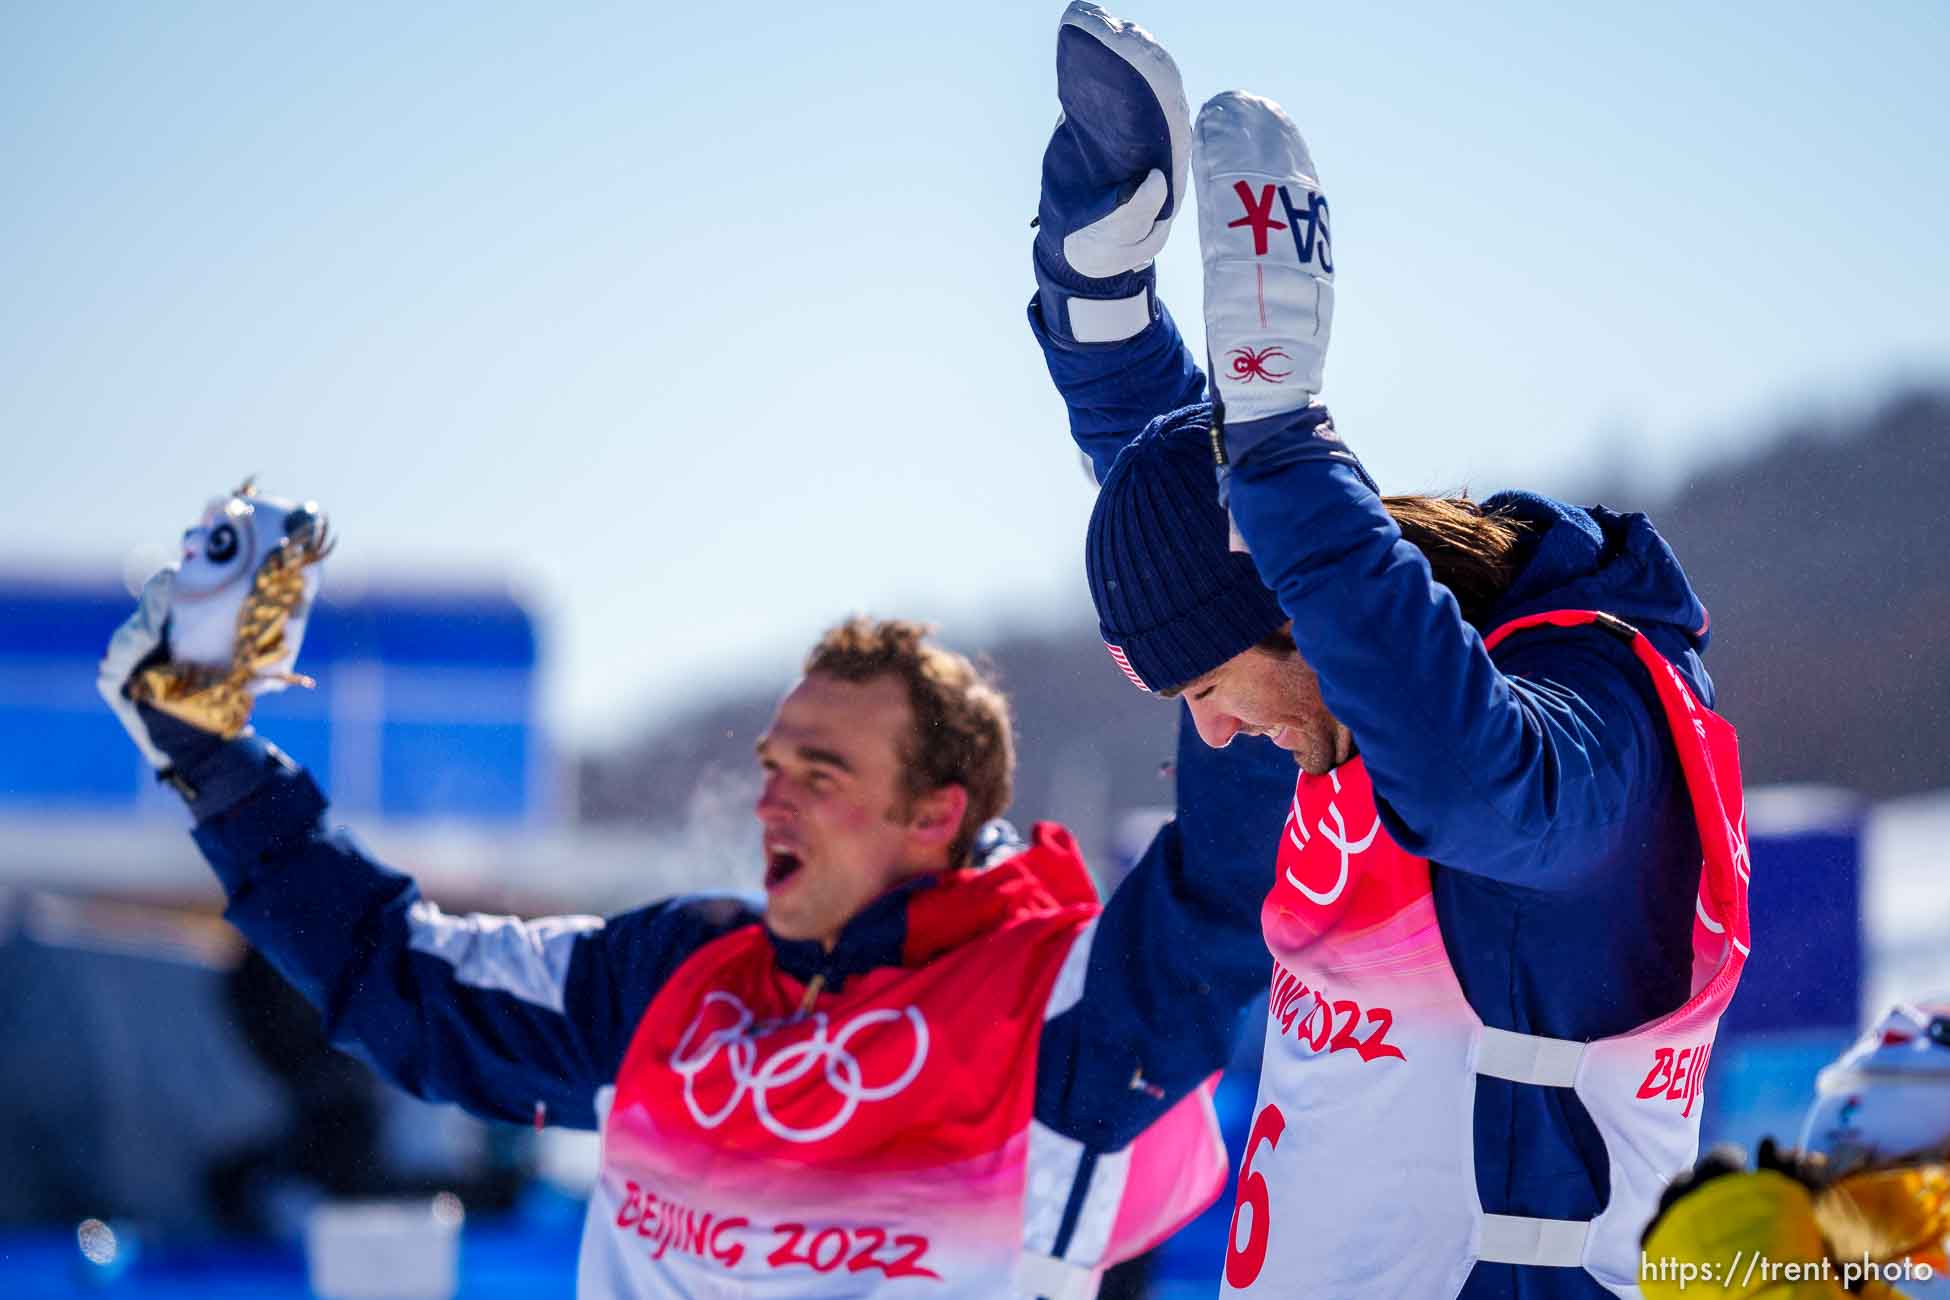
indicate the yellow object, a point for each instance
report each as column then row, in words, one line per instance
column 219, row 700
column 1739, row 1236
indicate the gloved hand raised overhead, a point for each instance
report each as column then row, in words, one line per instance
column 1269, row 263
column 1113, row 177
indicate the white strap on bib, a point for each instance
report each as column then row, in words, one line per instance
column 1547, row 1063
column 1514, row 1239
column 1528, row 1058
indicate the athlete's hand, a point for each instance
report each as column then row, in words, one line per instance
column 218, row 627
column 138, row 643
column 1113, row 177
column 1269, row 265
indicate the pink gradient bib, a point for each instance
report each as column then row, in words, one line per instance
column 882, row 1143
column 1359, row 1174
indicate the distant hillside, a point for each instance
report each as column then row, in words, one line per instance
column 1824, row 561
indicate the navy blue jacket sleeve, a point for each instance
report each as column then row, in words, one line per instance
column 498, row 1014
column 1114, row 389
column 1525, row 771
column 1177, row 954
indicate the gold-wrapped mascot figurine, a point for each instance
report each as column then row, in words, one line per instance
column 222, row 624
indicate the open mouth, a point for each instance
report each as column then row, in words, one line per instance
column 780, row 866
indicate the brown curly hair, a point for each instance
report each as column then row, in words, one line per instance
column 962, row 731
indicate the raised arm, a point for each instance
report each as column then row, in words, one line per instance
column 501, row 1015
column 1523, row 769
column 1176, row 955
column 1113, row 181
column 512, row 1019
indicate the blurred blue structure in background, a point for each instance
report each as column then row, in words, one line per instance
column 1801, row 997
column 426, row 705
column 1806, row 902
column 148, row 1083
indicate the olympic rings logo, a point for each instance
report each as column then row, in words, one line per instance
column 738, row 1040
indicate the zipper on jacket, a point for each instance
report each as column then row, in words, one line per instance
column 813, row 990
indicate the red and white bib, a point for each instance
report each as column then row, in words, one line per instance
column 1359, row 1174
column 882, row 1143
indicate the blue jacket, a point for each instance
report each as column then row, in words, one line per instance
column 1541, row 782
column 504, row 1016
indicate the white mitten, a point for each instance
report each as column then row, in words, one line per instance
column 1269, row 264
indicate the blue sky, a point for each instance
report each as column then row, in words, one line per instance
column 703, row 323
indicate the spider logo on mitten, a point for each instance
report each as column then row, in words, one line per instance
column 1249, row 364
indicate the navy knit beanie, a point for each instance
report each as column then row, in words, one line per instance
column 1174, row 601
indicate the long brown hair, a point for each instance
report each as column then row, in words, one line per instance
column 1472, row 552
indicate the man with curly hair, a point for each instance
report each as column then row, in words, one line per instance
column 928, row 1058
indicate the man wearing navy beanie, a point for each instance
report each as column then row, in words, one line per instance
column 1509, row 902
